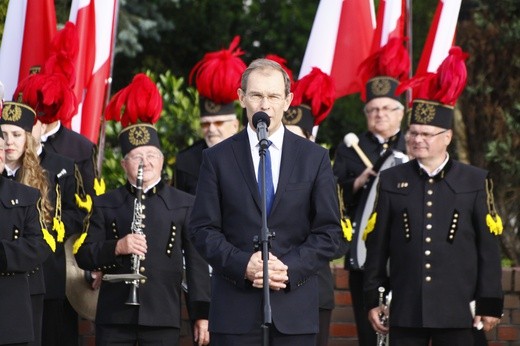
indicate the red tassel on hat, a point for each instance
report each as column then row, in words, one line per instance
column 63, row 53
column 140, row 101
column 446, row 85
column 218, row 74
column 316, row 90
column 391, row 60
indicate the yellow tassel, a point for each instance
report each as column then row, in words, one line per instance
column 495, row 224
column 49, row 239
column 370, row 225
column 84, row 204
column 346, row 226
column 59, row 228
column 99, row 186
column 79, row 242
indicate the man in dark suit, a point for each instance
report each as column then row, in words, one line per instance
column 227, row 216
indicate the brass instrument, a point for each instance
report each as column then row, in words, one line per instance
column 137, row 227
column 384, row 305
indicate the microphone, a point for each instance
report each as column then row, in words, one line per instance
column 261, row 123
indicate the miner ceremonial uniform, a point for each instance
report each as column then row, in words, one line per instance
column 442, row 253
column 22, row 248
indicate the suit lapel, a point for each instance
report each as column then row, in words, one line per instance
column 242, row 153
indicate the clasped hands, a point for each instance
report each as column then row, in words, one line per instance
column 278, row 276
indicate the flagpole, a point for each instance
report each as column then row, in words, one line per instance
column 102, row 134
column 409, row 33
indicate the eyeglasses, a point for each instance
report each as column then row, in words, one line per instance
column 385, row 109
column 425, row 135
column 273, row 99
column 218, row 123
column 150, row 157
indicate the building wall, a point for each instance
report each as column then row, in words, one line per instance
column 343, row 327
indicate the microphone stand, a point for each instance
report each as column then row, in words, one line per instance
column 265, row 237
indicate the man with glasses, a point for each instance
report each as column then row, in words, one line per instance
column 304, row 217
column 217, row 78
column 120, row 231
column 435, row 222
column 383, row 113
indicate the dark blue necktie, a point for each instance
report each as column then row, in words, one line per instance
column 269, row 186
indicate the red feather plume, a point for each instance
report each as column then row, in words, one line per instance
column 63, row 53
column 391, row 60
column 218, row 75
column 446, row 85
column 140, row 101
column 316, row 90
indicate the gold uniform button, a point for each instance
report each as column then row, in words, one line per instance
column 427, row 252
column 428, row 278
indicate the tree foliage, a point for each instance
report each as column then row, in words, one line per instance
column 490, row 106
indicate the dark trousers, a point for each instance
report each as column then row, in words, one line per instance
column 60, row 323
column 37, row 312
column 366, row 334
column 322, row 339
column 255, row 337
column 131, row 335
column 438, row 336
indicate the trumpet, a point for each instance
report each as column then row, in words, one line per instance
column 135, row 277
column 384, row 305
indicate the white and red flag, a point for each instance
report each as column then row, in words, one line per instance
column 340, row 40
column 391, row 22
column 440, row 37
column 96, row 24
column 29, row 28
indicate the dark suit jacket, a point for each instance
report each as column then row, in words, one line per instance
column 166, row 212
column 22, row 248
column 187, row 166
column 304, row 217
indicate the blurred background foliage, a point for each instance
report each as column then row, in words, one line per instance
column 167, row 37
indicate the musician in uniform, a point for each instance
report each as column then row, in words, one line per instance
column 60, row 324
column 384, row 113
column 217, row 77
column 435, row 221
column 22, row 248
column 113, row 240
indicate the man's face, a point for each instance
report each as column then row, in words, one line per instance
column 384, row 116
column 2, row 155
column 15, row 138
column 152, row 164
column 425, row 142
column 265, row 92
column 216, row 128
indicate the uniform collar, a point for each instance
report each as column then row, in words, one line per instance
column 439, row 173
column 52, row 133
column 149, row 192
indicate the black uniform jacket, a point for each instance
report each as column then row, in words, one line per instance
column 61, row 171
column 77, row 147
column 304, row 217
column 442, row 254
column 22, row 248
column 187, row 167
column 166, row 212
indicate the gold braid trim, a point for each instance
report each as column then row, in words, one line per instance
column 346, row 225
column 49, row 239
column 83, row 200
column 99, row 183
column 57, row 223
column 371, row 223
column 86, row 224
column 493, row 220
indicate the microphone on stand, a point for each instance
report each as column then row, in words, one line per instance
column 261, row 123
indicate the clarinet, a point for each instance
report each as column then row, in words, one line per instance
column 133, row 278
column 384, row 302
column 137, row 228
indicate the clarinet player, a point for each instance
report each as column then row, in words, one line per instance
column 110, row 245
